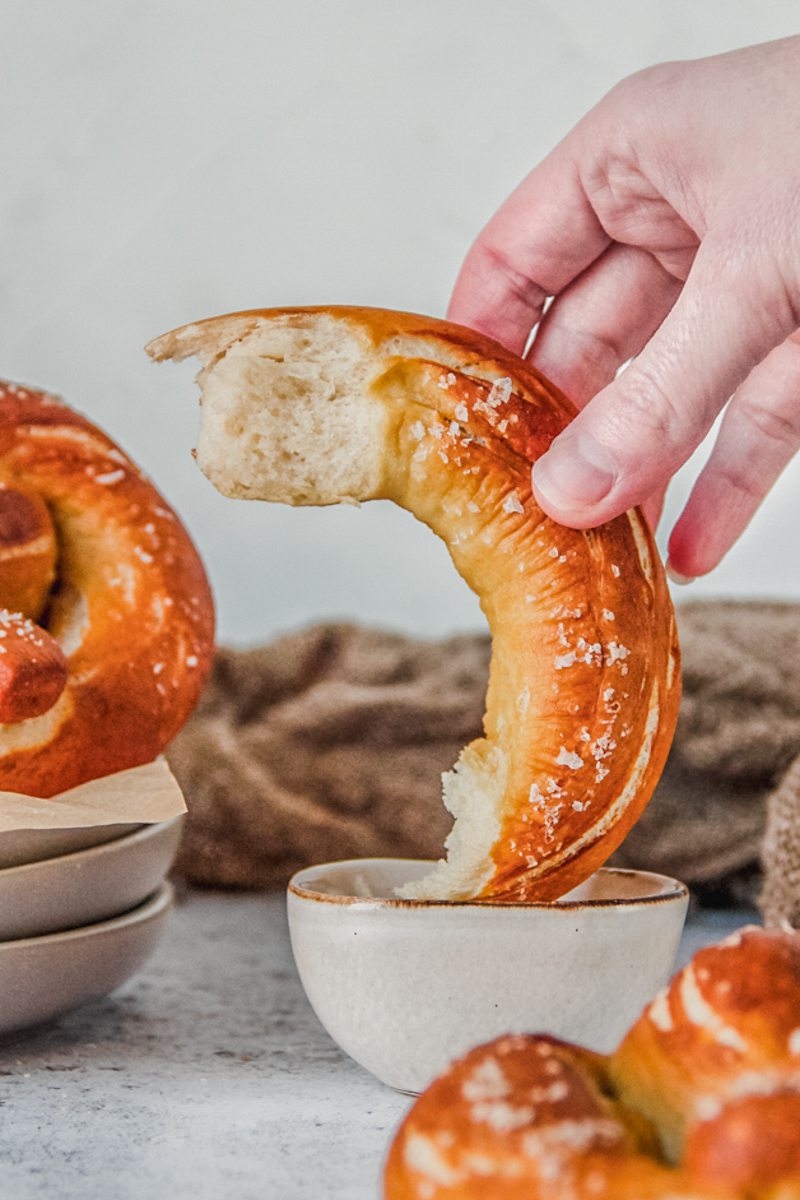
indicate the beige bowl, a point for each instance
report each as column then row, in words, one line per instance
column 20, row 846
column 89, row 885
column 43, row 977
column 405, row 986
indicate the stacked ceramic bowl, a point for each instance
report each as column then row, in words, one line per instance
column 80, row 911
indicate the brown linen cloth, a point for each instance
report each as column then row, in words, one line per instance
column 329, row 743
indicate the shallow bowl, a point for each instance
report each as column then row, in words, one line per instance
column 20, row 846
column 89, row 885
column 44, row 977
column 405, row 986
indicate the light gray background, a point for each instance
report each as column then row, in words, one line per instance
column 163, row 161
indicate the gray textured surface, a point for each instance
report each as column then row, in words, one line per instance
column 206, row 1077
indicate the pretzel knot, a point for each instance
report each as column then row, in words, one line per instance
column 106, row 618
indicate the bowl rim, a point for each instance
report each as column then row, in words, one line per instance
column 142, row 833
column 297, row 888
column 156, row 903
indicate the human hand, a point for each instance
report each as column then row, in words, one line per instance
column 666, row 225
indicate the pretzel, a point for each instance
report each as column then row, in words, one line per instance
column 530, row 1118
column 106, row 619
column 320, row 406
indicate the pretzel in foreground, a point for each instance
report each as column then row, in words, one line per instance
column 318, row 406
column 106, row 618
column 701, row 1100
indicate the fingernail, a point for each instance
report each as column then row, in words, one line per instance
column 676, row 576
column 574, row 472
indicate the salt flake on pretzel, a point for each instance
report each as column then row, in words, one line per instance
column 323, row 405
column 106, row 618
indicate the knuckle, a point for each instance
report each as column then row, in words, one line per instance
column 496, row 261
column 744, row 478
column 649, row 411
column 642, row 83
column 650, row 91
column 603, row 351
column 781, row 426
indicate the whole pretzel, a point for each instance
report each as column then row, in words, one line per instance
column 318, row 406
column 701, row 1101
column 106, row 618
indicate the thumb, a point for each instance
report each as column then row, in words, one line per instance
column 634, row 434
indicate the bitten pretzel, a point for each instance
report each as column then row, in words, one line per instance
column 106, row 619
column 318, row 406
column 529, row 1118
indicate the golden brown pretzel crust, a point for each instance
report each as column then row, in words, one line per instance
column 752, row 1146
column 526, row 1118
column 733, row 1012
column 130, row 608
column 584, row 686
column 710, row 1085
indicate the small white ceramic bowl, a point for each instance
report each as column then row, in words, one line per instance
column 405, row 986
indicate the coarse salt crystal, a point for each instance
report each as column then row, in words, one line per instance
column 616, row 651
column 501, row 390
column 568, row 758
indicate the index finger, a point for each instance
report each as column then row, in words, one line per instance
column 543, row 236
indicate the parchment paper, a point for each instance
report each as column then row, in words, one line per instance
column 141, row 795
